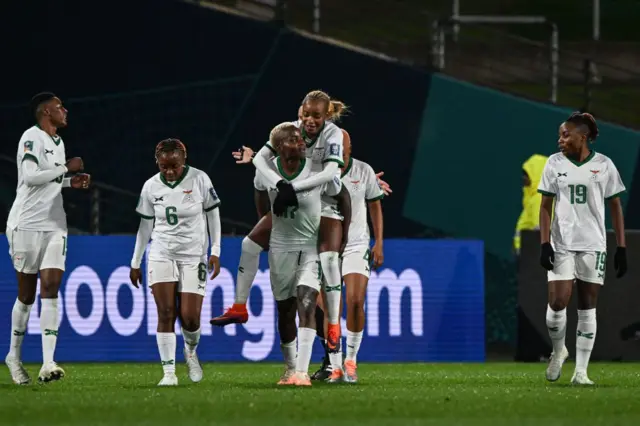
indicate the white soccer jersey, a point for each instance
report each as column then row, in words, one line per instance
column 39, row 208
column 298, row 229
column 362, row 184
column 180, row 229
column 580, row 190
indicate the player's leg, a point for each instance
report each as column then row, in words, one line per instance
column 590, row 270
column 163, row 279
column 51, row 272
column 252, row 246
column 560, row 286
column 321, row 331
column 191, row 292
column 283, row 286
column 25, row 263
column 308, row 279
column 330, row 239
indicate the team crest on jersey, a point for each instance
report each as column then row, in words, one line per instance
column 594, row 174
column 28, row 146
column 188, row 198
column 334, row 149
column 213, row 194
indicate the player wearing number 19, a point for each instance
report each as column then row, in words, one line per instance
column 184, row 205
column 575, row 184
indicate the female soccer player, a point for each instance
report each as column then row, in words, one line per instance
column 184, row 205
column 574, row 246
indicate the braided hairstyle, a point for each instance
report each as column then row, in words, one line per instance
column 170, row 145
column 335, row 108
column 586, row 122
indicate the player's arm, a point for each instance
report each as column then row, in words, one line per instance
column 374, row 195
column 548, row 188
column 612, row 191
column 147, row 217
column 32, row 174
column 330, row 164
column 261, row 195
column 210, row 205
column 263, row 162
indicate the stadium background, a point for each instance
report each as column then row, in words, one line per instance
column 451, row 143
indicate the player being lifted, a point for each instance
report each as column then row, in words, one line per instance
column 574, row 246
column 360, row 180
column 37, row 231
column 184, row 206
column 293, row 255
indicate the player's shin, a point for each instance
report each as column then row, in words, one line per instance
column 19, row 320
column 49, row 329
column 354, row 338
column 306, row 337
column 167, row 349
column 247, row 270
column 191, row 339
column 586, row 336
column 331, row 269
column 557, row 327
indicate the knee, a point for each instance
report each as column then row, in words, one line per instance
column 356, row 302
column 250, row 246
column 166, row 314
column 190, row 322
column 49, row 288
column 557, row 303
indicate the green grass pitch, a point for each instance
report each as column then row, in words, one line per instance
column 492, row 394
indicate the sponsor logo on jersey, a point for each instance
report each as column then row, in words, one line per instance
column 334, row 149
column 47, row 152
column 158, row 199
column 562, row 174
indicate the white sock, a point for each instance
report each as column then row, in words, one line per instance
column 557, row 327
column 333, row 289
column 335, row 359
column 49, row 328
column 247, row 270
column 191, row 339
column 290, row 353
column 305, row 345
column 586, row 337
column 354, row 338
column 19, row 319
column 167, row 348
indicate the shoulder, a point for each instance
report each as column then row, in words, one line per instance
column 198, row 174
column 152, row 182
column 32, row 133
column 332, row 131
column 601, row 158
column 362, row 166
column 556, row 159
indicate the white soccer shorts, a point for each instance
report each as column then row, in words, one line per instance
column 329, row 208
column 587, row 266
column 289, row 270
column 33, row 251
column 356, row 260
column 191, row 276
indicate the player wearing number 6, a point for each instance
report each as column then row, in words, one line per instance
column 575, row 184
column 184, row 206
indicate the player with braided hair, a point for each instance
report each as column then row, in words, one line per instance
column 575, row 184
column 179, row 211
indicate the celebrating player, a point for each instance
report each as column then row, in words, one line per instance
column 37, row 231
column 293, row 254
column 184, row 205
column 360, row 180
column 574, row 246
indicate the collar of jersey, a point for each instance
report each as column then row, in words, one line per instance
column 585, row 161
column 176, row 183
column 284, row 173
column 309, row 141
column 54, row 138
column 348, row 168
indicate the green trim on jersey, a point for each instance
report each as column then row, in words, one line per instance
column 268, row 145
column 379, row 197
column 176, row 183
column 311, row 141
column 55, row 138
column 614, row 196
column 586, row 160
column 284, row 173
column 335, row 160
column 144, row 216
column 215, row 206
column 548, row 194
column 348, row 168
column 30, row 157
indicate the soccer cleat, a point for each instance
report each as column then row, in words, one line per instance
column 193, row 364
column 580, row 378
column 333, row 338
column 169, row 379
column 301, row 379
column 237, row 314
column 288, row 378
column 50, row 372
column 350, row 376
column 324, row 371
column 337, row 376
column 18, row 373
column 554, row 369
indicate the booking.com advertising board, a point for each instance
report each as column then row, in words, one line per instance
column 425, row 304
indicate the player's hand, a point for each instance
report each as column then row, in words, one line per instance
column 386, row 189
column 81, row 181
column 214, row 266
column 243, row 156
column 547, row 256
column 286, row 198
column 135, row 275
column 75, row 164
column 377, row 254
column 620, row 261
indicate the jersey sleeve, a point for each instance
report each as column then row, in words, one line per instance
column 30, row 149
column 334, row 146
column 145, row 206
column 614, row 186
column 333, row 187
column 210, row 197
column 258, row 182
column 373, row 192
column 547, row 184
